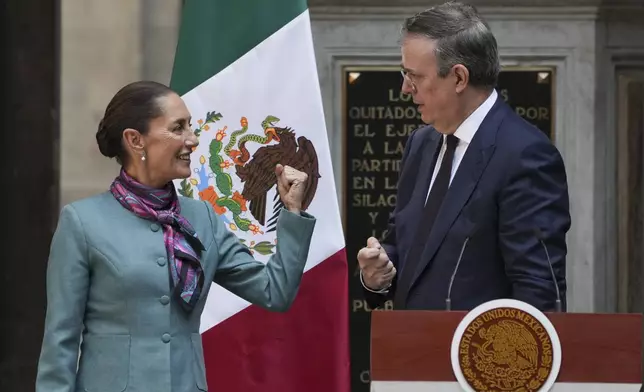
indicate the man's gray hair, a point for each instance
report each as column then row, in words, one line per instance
column 462, row 37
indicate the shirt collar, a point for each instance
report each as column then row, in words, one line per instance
column 465, row 132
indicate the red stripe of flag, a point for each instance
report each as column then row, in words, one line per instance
column 303, row 350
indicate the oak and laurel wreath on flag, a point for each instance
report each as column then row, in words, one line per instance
column 221, row 195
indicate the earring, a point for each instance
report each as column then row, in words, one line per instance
column 143, row 157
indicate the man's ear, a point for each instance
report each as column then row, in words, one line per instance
column 133, row 141
column 462, row 77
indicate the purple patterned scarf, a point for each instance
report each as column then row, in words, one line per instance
column 162, row 206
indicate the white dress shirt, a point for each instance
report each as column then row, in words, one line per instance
column 464, row 133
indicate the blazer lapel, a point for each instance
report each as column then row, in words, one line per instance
column 467, row 177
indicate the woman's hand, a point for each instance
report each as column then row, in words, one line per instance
column 291, row 185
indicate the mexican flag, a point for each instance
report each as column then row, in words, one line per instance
column 246, row 69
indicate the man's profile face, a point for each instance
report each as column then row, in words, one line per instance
column 435, row 96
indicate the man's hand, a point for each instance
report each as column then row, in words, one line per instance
column 377, row 270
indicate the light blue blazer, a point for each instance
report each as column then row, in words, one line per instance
column 107, row 281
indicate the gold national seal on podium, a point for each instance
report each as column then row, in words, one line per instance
column 506, row 345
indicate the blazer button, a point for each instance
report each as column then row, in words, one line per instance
column 161, row 261
column 164, row 300
column 166, row 338
column 155, row 227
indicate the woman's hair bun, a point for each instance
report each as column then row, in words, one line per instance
column 105, row 145
column 133, row 106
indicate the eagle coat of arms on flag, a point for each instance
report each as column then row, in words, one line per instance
column 242, row 202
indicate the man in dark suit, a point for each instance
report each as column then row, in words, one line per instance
column 478, row 184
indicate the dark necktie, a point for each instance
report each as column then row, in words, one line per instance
column 432, row 207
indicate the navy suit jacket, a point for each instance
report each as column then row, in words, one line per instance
column 511, row 181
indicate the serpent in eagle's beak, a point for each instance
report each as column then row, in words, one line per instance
column 270, row 132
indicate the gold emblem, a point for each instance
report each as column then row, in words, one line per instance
column 505, row 349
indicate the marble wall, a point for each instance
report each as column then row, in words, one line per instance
column 619, row 52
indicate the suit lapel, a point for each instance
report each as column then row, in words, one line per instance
column 428, row 151
column 467, row 177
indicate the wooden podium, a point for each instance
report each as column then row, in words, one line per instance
column 411, row 352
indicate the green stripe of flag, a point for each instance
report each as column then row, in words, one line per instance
column 215, row 33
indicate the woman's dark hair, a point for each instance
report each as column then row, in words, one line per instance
column 133, row 106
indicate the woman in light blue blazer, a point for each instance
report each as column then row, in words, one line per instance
column 130, row 269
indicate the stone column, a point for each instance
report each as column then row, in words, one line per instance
column 101, row 52
column 106, row 45
column 29, row 139
column 159, row 35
